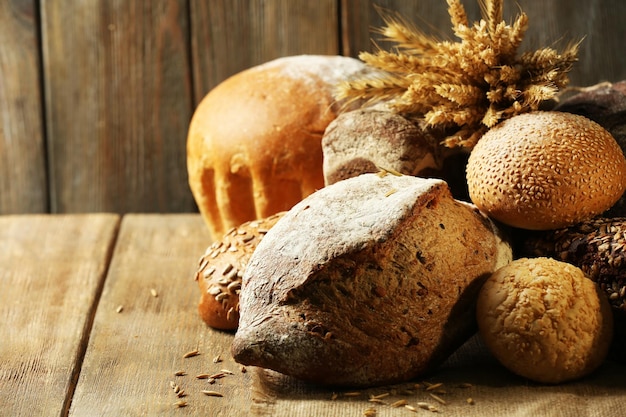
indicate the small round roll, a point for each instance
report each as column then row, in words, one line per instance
column 546, row 170
column 221, row 268
column 544, row 320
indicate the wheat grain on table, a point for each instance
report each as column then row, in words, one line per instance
column 99, row 318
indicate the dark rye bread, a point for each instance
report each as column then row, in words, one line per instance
column 369, row 281
column 366, row 140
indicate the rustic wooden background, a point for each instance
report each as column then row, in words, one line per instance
column 96, row 96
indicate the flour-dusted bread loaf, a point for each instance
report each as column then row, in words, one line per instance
column 371, row 280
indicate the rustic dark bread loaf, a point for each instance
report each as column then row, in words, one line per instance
column 366, row 140
column 220, row 270
column 368, row 281
column 363, row 140
column 598, row 247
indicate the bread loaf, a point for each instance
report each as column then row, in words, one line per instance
column 364, row 140
column 371, row 280
column 597, row 247
column 545, row 320
column 605, row 104
column 254, row 142
column 220, row 270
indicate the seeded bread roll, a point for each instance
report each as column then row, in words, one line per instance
column 220, row 271
column 546, row 170
column 371, row 280
column 605, row 104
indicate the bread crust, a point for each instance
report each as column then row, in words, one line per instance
column 544, row 320
column 220, row 270
column 366, row 140
column 371, row 280
column 254, row 142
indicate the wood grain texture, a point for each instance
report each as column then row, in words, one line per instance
column 61, row 355
column 52, row 273
column 229, row 36
column 552, row 23
column 134, row 354
column 118, row 102
column 99, row 122
column 23, row 186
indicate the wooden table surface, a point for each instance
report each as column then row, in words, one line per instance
column 97, row 312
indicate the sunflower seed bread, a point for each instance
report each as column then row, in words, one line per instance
column 368, row 281
column 220, row 270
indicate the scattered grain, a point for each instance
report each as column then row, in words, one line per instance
column 423, row 405
column 369, row 412
column 432, row 387
column 119, row 308
column 399, row 403
column 212, row 393
column 437, row 398
column 154, row 292
column 191, row 354
column 376, row 400
column 180, row 404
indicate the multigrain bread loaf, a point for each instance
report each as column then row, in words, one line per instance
column 598, row 247
column 254, row 142
column 371, row 280
column 220, row 270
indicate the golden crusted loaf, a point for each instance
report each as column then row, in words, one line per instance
column 371, row 280
column 545, row 320
column 220, row 270
column 254, row 142
column 546, row 170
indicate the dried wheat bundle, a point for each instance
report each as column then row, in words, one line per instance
column 466, row 86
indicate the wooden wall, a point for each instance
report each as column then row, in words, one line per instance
column 96, row 96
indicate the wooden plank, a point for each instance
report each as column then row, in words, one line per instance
column 552, row 23
column 22, row 160
column 52, row 273
column 118, row 103
column 133, row 354
column 229, row 36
